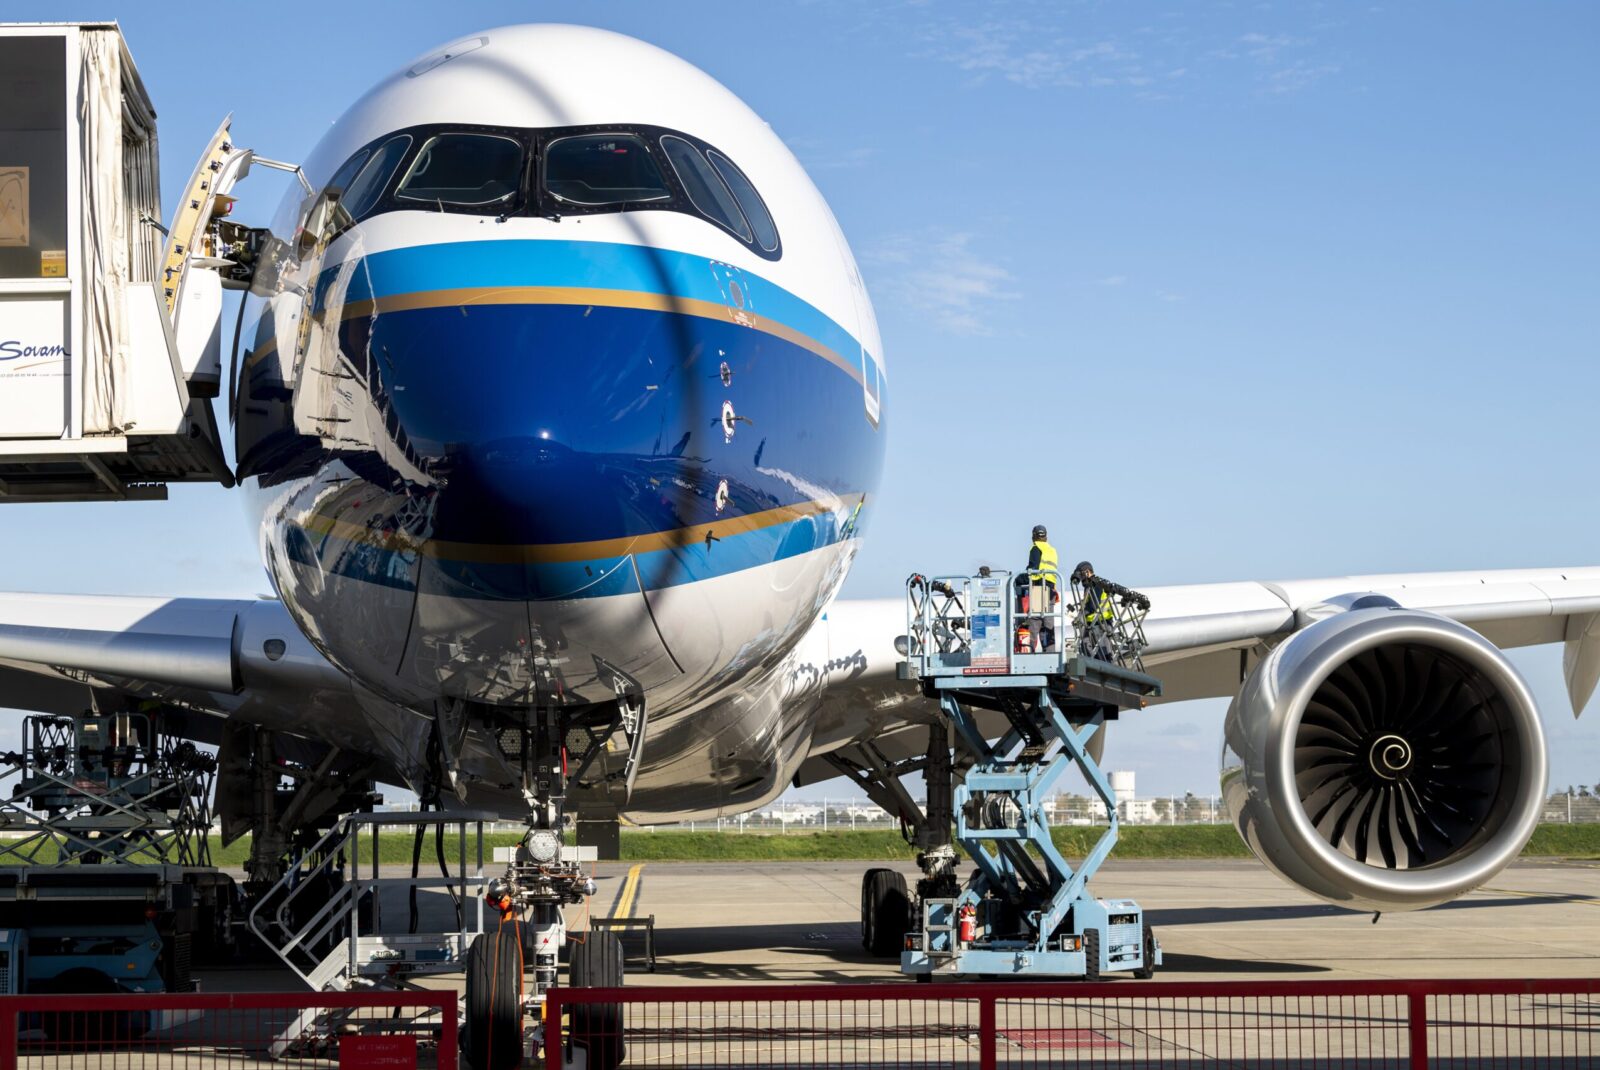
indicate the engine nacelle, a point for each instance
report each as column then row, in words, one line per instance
column 1384, row 759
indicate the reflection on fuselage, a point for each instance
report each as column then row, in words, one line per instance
column 511, row 459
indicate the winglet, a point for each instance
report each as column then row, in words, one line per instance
column 1580, row 660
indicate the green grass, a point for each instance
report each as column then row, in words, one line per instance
column 1137, row 841
column 1181, row 841
column 1564, row 841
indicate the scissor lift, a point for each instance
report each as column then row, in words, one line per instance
column 1057, row 668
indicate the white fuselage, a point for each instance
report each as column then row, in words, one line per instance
column 517, row 438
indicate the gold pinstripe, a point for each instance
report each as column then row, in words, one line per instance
column 576, row 296
column 567, row 552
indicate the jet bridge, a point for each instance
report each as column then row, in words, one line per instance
column 110, row 321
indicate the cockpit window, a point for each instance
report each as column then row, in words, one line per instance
column 369, row 184
column 705, row 189
column 596, row 169
column 550, row 172
column 468, row 170
column 341, row 178
column 749, row 200
column 327, row 216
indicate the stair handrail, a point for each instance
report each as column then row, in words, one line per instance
column 291, row 885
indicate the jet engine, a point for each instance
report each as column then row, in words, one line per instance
column 1384, row 759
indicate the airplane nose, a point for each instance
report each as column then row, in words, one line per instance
column 557, row 450
column 552, row 431
column 530, row 517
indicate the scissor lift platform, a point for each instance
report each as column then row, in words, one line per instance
column 1057, row 671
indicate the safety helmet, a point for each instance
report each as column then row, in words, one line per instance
column 1039, row 532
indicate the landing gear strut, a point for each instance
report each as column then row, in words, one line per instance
column 885, row 901
column 554, row 749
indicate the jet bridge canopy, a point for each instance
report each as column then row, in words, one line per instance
column 108, row 357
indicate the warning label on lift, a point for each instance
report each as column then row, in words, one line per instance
column 990, row 643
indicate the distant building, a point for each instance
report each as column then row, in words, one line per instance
column 1122, row 786
column 1139, row 811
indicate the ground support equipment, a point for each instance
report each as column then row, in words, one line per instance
column 105, row 882
column 974, row 643
column 343, row 920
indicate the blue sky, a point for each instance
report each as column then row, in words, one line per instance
column 1254, row 290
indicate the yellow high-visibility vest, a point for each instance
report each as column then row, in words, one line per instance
column 1048, row 561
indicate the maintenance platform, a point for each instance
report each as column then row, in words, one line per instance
column 1057, row 668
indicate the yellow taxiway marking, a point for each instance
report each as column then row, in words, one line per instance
column 630, row 888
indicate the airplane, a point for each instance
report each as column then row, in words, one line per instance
column 560, row 406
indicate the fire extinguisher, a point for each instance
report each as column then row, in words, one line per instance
column 966, row 924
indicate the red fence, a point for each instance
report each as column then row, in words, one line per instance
column 289, row 1029
column 1405, row 1025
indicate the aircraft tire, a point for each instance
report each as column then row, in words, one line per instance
column 597, row 1027
column 885, row 913
column 866, row 907
column 491, row 1035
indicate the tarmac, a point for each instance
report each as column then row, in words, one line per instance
column 799, row 922
column 1216, row 920
column 753, row 926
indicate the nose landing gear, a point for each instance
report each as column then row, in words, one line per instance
column 554, row 748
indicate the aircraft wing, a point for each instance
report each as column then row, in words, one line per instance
column 1201, row 637
column 1511, row 608
column 214, row 654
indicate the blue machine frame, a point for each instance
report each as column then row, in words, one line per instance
column 1056, row 700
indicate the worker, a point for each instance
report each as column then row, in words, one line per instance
column 1041, row 555
column 1097, row 612
column 1039, row 594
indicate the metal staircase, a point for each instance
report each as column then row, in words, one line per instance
column 339, row 922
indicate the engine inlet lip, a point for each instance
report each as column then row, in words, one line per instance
column 1300, row 673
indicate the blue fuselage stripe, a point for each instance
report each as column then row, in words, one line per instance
column 596, row 265
column 530, row 426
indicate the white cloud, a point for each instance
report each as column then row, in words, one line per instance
column 820, row 155
column 1112, row 280
column 1053, row 45
column 940, row 274
column 1298, row 75
column 1032, row 55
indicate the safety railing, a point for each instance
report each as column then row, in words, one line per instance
column 136, row 1032
column 1108, row 620
column 326, row 916
column 995, row 622
column 104, row 790
column 1286, row 1025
